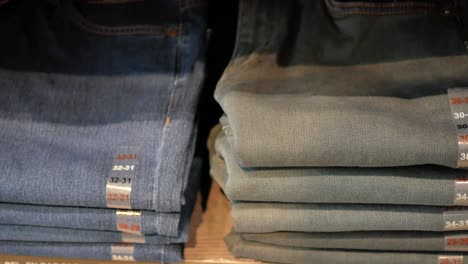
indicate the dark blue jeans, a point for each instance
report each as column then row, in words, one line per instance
column 82, row 81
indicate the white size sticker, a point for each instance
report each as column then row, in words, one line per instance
column 133, row 238
column 456, row 218
column 121, row 177
column 122, row 252
column 450, row 259
column 461, row 191
column 458, row 99
column 128, row 221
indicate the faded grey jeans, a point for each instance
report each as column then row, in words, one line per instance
column 264, row 252
column 417, row 185
column 379, row 241
column 342, row 83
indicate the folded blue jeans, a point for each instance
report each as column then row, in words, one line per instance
column 344, row 83
column 63, row 235
column 32, row 217
column 93, row 93
column 171, row 230
column 97, row 251
column 101, row 219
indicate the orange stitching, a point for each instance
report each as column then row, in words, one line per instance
column 123, row 30
column 192, row 3
column 113, row 1
column 386, row 13
column 384, row 5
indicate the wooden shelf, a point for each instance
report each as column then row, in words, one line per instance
column 207, row 245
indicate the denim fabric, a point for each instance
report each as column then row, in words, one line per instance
column 390, row 241
column 314, row 83
column 99, row 251
column 417, row 185
column 79, row 81
column 265, row 252
column 61, row 235
column 273, row 217
column 84, row 218
column 178, row 232
column 92, row 219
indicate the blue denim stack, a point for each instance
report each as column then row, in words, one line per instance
column 98, row 105
column 338, row 143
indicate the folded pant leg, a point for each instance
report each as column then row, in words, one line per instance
column 84, row 218
column 380, row 241
column 417, row 185
column 274, row 217
column 277, row 254
column 62, row 235
column 102, row 251
column 316, row 84
column 87, row 104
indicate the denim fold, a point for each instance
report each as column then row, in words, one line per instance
column 96, row 251
column 312, row 85
column 414, row 185
column 378, row 241
column 277, row 254
column 79, row 84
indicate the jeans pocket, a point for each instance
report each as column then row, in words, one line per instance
column 386, row 7
column 165, row 27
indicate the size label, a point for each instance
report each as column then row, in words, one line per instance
column 456, row 243
column 459, row 106
column 450, row 259
column 128, row 221
column 122, row 252
column 461, row 191
column 133, row 238
column 456, row 218
column 121, row 176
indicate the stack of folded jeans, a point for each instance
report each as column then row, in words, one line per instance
column 97, row 127
column 338, row 143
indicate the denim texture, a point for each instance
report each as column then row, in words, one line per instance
column 81, row 80
column 417, row 185
column 313, row 83
column 385, row 241
column 97, row 251
column 62, row 235
column 266, row 217
column 253, row 217
column 178, row 232
column 84, row 218
column 276, row 254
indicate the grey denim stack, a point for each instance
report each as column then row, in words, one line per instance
column 338, row 143
column 98, row 121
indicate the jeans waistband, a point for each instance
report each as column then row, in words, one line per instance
column 337, row 32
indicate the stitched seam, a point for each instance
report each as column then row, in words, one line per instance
column 177, row 68
column 187, row 4
column 386, row 13
column 81, row 22
column 386, row 5
column 104, row 2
